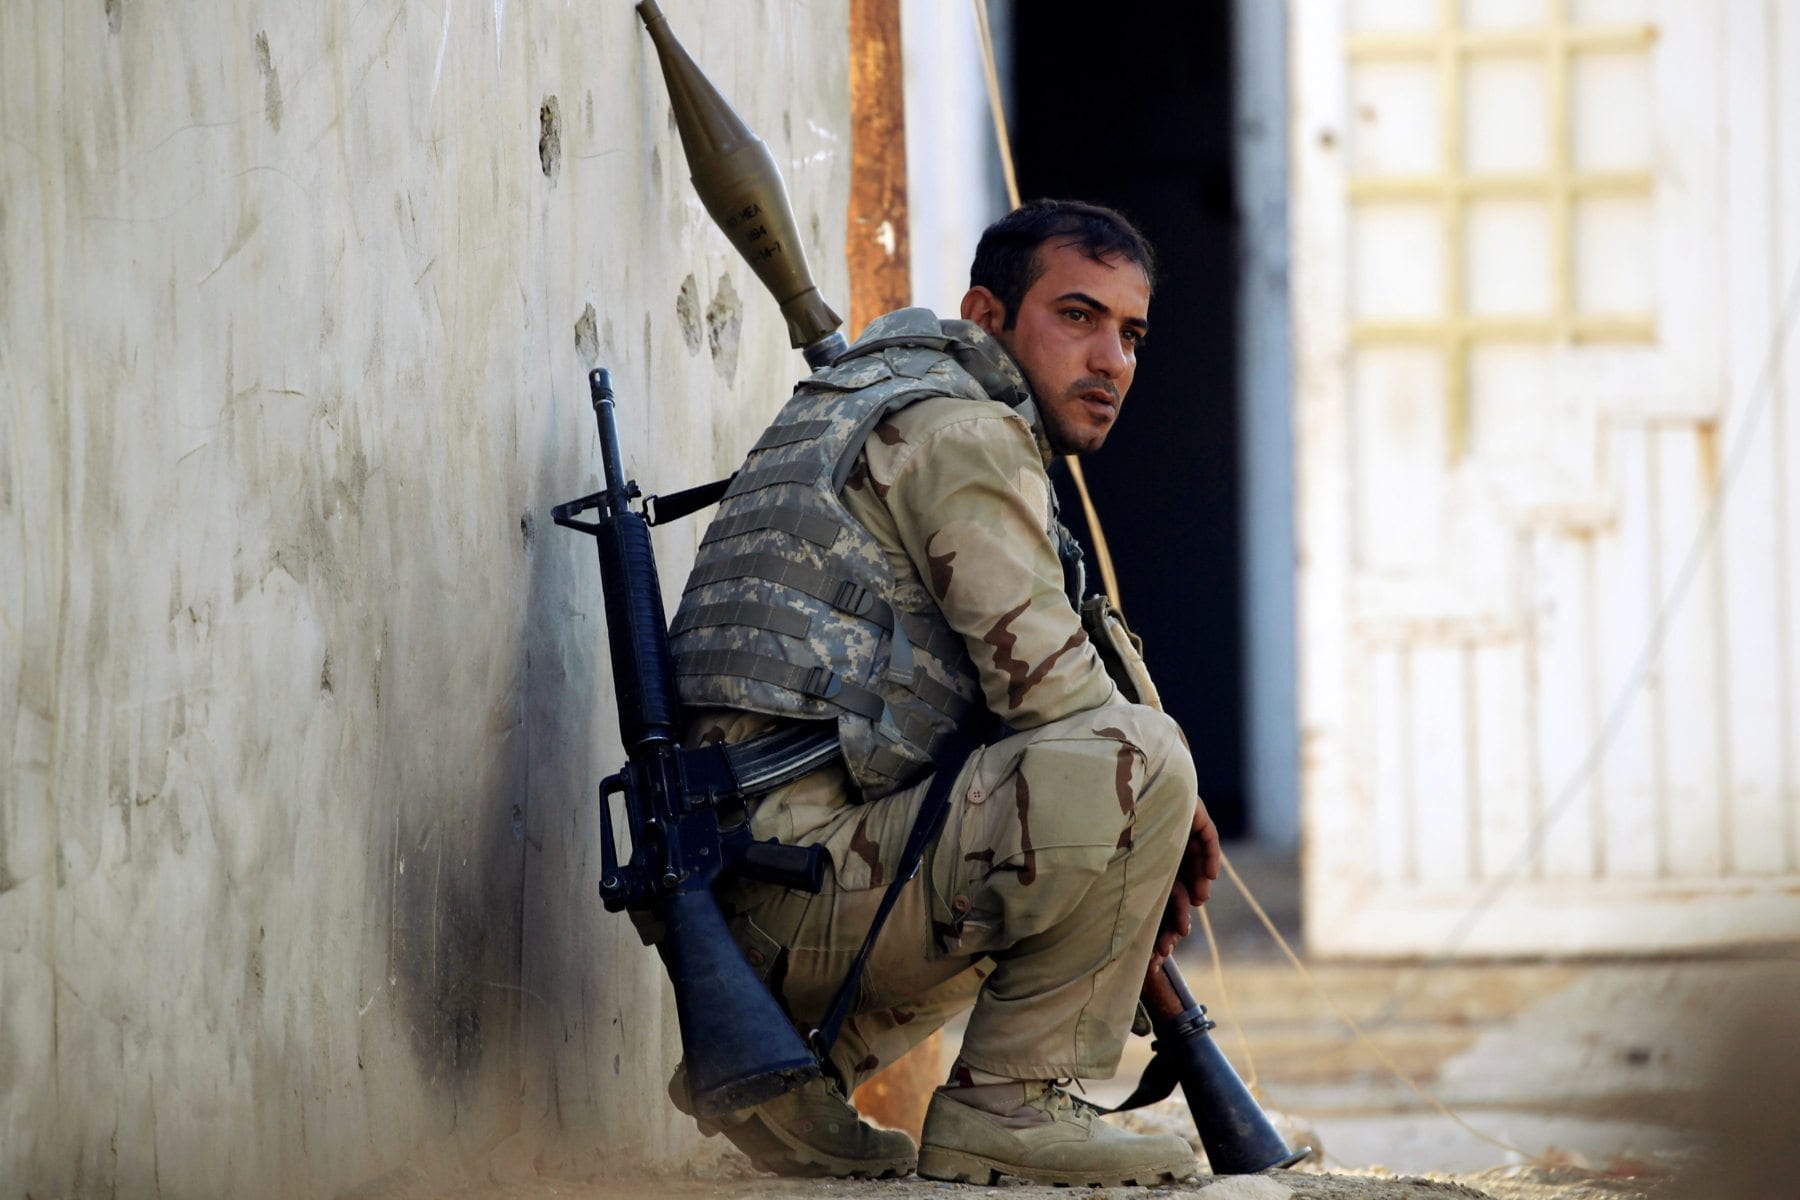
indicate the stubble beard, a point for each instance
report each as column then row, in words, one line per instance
column 1064, row 440
column 1063, row 428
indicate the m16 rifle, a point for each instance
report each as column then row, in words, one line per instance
column 684, row 812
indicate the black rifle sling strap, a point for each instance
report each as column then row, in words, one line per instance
column 659, row 510
column 1159, row 1080
column 932, row 811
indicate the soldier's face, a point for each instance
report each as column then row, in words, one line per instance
column 1076, row 338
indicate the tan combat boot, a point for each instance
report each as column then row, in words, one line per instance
column 809, row 1132
column 1038, row 1132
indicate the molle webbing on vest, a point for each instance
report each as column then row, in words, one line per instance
column 820, row 531
column 790, row 608
column 787, row 435
column 802, row 471
column 743, row 612
column 941, row 698
column 933, row 637
column 816, row 680
column 842, row 594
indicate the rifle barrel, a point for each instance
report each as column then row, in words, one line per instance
column 600, row 388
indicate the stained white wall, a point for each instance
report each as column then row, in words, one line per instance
column 302, row 696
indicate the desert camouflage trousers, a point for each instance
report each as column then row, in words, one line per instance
column 1038, row 903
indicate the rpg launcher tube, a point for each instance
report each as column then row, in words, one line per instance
column 1238, row 1136
column 741, row 187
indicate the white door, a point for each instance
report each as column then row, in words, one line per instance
column 1549, row 542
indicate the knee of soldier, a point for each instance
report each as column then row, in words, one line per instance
column 1169, row 788
column 1138, row 750
column 1165, row 746
column 1168, row 766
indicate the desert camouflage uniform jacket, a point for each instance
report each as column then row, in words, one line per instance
column 956, row 493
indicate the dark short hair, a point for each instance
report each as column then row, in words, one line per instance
column 1006, row 260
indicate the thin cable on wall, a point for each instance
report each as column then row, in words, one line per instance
column 1109, row 578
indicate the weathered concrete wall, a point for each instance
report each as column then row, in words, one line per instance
column 303, row 698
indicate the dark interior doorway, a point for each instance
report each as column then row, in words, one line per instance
column 1131, row 106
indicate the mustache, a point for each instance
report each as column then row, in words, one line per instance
column 1093, row 384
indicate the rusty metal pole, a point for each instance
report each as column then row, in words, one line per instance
column 876, row 247
column 876, row 242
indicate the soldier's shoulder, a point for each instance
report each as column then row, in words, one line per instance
column 957, row 416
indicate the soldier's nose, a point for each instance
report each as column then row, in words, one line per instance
column 1107, row 361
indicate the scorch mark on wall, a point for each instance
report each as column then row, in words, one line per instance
column 724, row 321
column 587, row 344
column 550, row 138
column 265, row 66
column 687, row 313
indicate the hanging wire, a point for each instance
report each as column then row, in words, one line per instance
column 1350, row 1022
column 1109, row 578
column 1225, row 1009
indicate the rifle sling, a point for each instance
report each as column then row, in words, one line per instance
column 675, row 505
column 1156, row 1083
column 932, row 811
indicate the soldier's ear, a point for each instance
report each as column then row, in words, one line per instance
column 985, row 309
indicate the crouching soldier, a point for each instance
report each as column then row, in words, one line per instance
column 890, row 559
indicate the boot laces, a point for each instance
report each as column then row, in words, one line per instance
column 1056, row 1097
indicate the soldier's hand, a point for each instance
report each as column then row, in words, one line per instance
column 1200, row 861
column 1159, row 994
column 1177, row 923
column 1193, row 884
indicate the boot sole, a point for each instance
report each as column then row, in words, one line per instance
column 773, row 1150
column 960, row 1166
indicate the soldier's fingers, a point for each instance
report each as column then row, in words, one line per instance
column 1202, row 890
column 1159, row 996
column 1194, row 877
column 1180, row 913
column 1208, row 835
column 1196, row 871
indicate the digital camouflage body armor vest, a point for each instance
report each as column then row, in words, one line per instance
column 789, row 610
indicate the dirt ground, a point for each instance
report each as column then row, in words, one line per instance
column 1661, row 1079
column 718, row 1172
column 1739, row 1145
column 1506, row 1183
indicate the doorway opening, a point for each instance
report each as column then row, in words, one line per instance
column 1137, row 114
